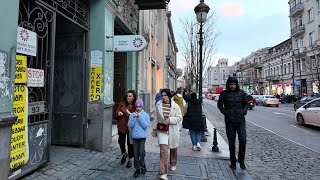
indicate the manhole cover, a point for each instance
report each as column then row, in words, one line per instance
column 189, row 170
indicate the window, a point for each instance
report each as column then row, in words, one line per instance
column 285, row 69
column 300, row 21
column 318, row 6
column 289, row 70
column 298, row 65
column 274, row 71
column 310, row 15
column 311, row 38
column 314, row 104
column 278, row 70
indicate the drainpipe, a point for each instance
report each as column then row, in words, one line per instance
column 137, row 60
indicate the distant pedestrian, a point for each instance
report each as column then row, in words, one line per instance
column 165, row 127
column 233, row 105
column 181, row 103
column 158, row 96
column 193, row 121
column 139, row 122
column 126, row 107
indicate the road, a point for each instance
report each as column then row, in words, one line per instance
column 281, row 121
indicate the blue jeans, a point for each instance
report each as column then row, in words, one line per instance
column 195, row 136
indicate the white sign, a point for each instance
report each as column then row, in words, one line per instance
column 26, row 42
column 36, row 108
column 129, row 43
column 96, row 58
column 35, row 77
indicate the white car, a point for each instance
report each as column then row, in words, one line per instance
column 309, row 113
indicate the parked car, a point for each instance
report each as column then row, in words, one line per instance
column 289, row 99
column 309, row 113
column 302, row 102
column 256, row 97
column 268, row 100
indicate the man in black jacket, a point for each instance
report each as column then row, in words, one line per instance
column 233, row 105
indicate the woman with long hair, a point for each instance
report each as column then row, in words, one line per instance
column 126, row 107
column 166, row 128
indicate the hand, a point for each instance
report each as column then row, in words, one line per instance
column 166, row 121
column 154, row 133
column 139, row 115
column 120, row 114
column 134, row 115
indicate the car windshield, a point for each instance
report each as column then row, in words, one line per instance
column 269, row 97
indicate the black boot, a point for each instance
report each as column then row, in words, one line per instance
column 124, row 158
column 233, row 165
column 137, row 173
column 243, row 166
column 143, row 169
column 129, row 165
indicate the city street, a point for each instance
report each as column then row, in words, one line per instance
column 277, row 148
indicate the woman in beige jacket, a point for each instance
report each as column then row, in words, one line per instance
column 167, row 112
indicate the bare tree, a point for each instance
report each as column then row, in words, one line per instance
column 190, row 47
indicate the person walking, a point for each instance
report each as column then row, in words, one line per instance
column 233, row 105
column 193, row 121
column 178, row 99
column 138, row 123
column 158, row 96
column 165, row 127
column 126, row 107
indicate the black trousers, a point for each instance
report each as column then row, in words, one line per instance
column 139, row 152
column 232, row 128
column 122, row 143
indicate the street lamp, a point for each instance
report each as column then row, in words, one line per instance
column 201, row 11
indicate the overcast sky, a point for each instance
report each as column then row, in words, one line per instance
column 245, row 25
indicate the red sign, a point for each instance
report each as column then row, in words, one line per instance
column 279, row 85
column 288, row 85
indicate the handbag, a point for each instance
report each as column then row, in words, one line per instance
column 162, row 127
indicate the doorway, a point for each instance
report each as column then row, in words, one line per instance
column 69, row 84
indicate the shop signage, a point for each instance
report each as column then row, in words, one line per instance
column 36, row 108
column 21, row 69
column 35, row 77
column 129, row 43
column 95, row 83
column 279, row 85
column 26, row 42
column 288, row 85
column 19, row 138
column 298, row 83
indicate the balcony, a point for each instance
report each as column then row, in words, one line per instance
column 296, row 10
column 256, row 65
column 151, row 4
column 273, row 78
column 296, row 31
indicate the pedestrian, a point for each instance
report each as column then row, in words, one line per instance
column 165, row 127
column 126, row 107
column 158, row 96
column 139, row 122
column 233, row 105
column 181, row 103
column 193, row 121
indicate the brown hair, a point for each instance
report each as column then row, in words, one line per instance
column 134, row 97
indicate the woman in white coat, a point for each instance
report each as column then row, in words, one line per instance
column 166, row 128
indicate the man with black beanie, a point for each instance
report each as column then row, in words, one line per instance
column 233, row 105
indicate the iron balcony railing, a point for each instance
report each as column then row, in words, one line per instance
column 295, row 10
column 298, row 30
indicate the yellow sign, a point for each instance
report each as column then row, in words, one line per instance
column 19, row 139
column 21, row 69
column 95, row 83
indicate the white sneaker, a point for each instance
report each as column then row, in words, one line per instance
column 194, row 148
column 164, row 177
column 173, row 168
column 198, row 146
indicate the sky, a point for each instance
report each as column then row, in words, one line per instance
column 245, row 25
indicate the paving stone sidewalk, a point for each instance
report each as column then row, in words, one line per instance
column 271, row 157
column 78, row 163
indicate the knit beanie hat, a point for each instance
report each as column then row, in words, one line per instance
column 139, row 102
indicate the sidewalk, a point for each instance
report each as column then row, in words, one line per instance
column 78, row 163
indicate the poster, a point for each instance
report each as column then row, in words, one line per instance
column 21, row 69
column 95, row 83
column 35, row 77
column 19, row 139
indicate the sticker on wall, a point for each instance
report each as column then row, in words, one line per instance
column 26, row 42
column 95, row 83
column 35, row 77
column 21, row 69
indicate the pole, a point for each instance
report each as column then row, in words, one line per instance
column 300, row 69
column 293, row 84
column 200, row 62
column 282, row 76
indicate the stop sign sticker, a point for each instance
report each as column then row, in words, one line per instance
column 35, row 77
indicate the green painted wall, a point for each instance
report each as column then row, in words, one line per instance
column 131, row 70
column 102, row 25
column 9, row 10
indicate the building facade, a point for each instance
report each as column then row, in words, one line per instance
column 305, row 33
column 218, row 75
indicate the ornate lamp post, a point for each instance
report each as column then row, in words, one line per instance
column 201, row 11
